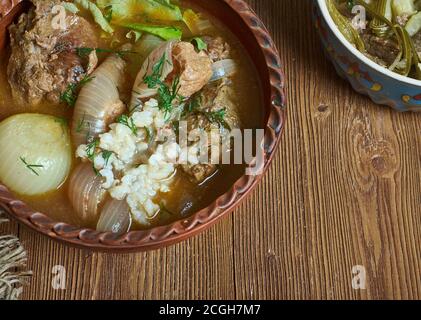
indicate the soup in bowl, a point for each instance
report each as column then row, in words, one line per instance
column 122, row 120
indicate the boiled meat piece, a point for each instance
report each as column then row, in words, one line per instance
column 214, row 98
column 217, row 49
column 43, row 61
column 194, row 69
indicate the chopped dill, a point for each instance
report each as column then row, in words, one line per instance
column 69, row 96
column 106, row 155
column 128, row 122
column 81, row 123
column 166, row 94
column 31, row 167
column 149, row 134
column 192, row 105
column 155, row 78
column 84, row 52
column 217, row 117
column 91, row 148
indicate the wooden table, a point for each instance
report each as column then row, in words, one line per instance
column 344, row 191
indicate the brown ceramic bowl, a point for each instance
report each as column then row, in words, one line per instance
column 244, row 23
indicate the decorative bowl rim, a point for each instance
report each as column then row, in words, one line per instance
column 332, row 26
column 172, row 233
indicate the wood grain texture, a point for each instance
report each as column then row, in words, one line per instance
column 344, row 190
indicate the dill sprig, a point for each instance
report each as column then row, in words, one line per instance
column 84, row 52
column 81, row 124
column 128, row 122
column 91, row 149
column 106, row 155
column 166, row 94
column 155, row 78
column 31, row 167
column 69, row 96
column 192, row 105
column 217, row 117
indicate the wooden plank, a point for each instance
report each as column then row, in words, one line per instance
column 198, row 268
column 344, row 190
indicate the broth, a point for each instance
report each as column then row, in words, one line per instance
column 185, row 195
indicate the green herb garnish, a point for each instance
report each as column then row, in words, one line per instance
column 81, row 124
column 106, row 155
column 84, row 52
column 192, row 105
column 128, row 122
column 166, row 94
column 149, row 134
column 155, row 78
column 91, row 148
column 31, row 167
column 69, row 96
column 217, row 117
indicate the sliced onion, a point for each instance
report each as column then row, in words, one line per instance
column 222, row 69
column 147, row 44
column 140, row 88
column 98, row 103
column 115, row 217
column 86, row 193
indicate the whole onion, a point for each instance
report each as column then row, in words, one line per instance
column 35, row 152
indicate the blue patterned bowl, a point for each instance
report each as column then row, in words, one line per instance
column 380, row 84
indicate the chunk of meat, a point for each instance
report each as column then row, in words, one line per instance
column 194, row 69
column 215, row 98
column 43, row 61
column 383, row 50
column 218, row 49
column 8, row 11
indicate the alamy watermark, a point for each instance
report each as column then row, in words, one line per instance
column 359, row 22
column 359, row 279
column 59, row 277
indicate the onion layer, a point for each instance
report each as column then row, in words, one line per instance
column 140, row 88
column 86, row 193
column 98, row 103
column 35, row 153
column 222, row 69
column 115, row 217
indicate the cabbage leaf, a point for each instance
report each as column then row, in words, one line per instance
column 96, row 13
column 164, row 32
column 124, row 10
